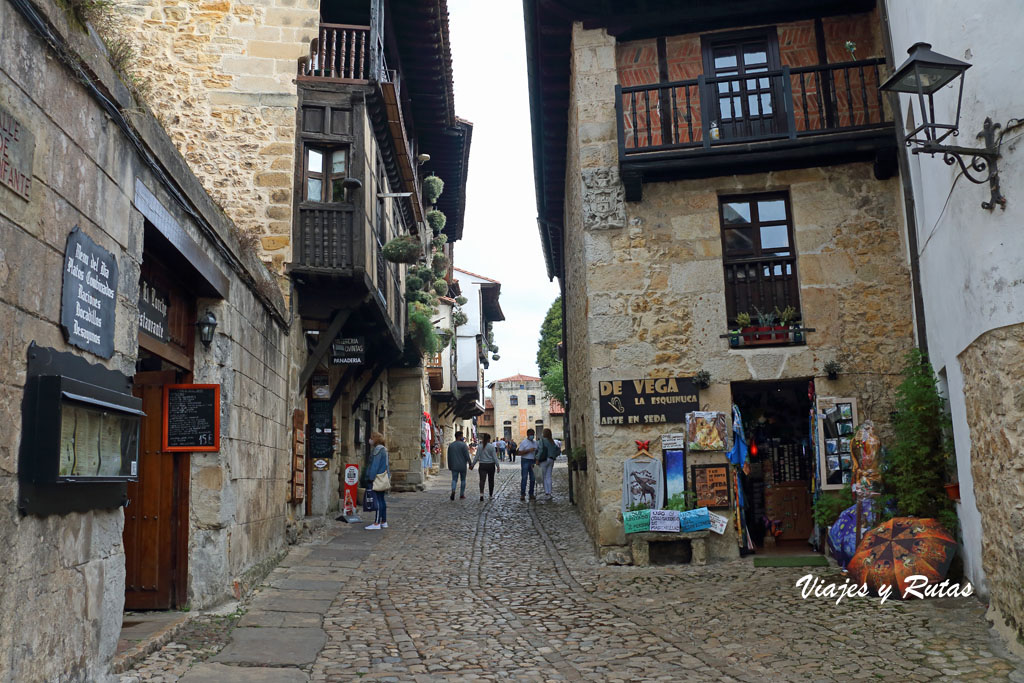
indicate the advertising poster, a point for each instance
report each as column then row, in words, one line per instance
column 664, row 520
column 637, row 521
column 695, row 520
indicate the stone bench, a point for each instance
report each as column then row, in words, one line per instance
column 639, row 544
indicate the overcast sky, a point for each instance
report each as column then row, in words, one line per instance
column 500, row 239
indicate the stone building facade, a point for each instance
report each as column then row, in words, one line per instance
column 221, row 78
column 639, row 242
column 97, row 163
column 972, row 294
column 520, row 403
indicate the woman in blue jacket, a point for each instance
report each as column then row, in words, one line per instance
column 378, row 464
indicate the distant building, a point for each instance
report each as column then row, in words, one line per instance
column 520, row 403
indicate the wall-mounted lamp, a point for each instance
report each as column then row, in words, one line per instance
column 206, row 325
column 422, row 159
column 923, row 74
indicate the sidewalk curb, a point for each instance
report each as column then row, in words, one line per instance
column 132, row 656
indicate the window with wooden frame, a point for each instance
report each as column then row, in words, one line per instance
column 324, row 173
column 513, row 400
column 758, row 254
column 531, row 400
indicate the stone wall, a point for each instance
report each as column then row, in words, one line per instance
column 995, row 412
column 406, row 388
column 221, row 79
column 646, row 287
column 86, row 172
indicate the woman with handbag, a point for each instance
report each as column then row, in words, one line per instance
column 380, row 474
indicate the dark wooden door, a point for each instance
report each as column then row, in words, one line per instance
column 153, row 560
column 746, row 105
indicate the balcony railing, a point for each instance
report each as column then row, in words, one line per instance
column 340, row 51
column 325, row 238
column 777, row 104
column 763, row 284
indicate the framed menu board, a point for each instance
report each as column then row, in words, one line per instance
column 711, row 484
column 191, row 417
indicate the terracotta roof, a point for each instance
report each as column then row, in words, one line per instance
column 519, row 378
column 482, row 277
column 555, row 407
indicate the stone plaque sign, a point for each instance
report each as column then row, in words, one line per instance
column 348, row 351
column 153, row 307
column 17, row 148
column 89, row 295
column 647, row 401
column 191, row 417
column 664, row 520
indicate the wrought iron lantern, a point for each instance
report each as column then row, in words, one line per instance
column 922, row 75
column 206, row 325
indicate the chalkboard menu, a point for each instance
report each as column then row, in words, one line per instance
column 191, row 417
column 321, row 429
column 662, row 400
column 89, row 295
column 711, row 484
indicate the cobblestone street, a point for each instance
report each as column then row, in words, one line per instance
column 485, row 591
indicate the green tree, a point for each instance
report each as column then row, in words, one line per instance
column 554, row 382
column 550, row 337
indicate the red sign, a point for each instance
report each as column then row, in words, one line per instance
column 351, row 489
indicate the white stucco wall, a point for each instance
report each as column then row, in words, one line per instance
column 971, row 275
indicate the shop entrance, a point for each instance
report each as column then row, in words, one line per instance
column 778, row 488
column 156, row 521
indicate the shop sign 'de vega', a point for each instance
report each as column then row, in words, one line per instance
column 647, row 401
column 89, row 295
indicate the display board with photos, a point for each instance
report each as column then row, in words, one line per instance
column 837, row 419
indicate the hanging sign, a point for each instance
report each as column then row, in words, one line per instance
column 191, row 417
column 636, row 521
column 718, row 522
column 711, row 484
column 647, row 401
column 321, row 465
column 153, row 307
column 695, row 520
column 321, row 429
column 664, row 520
column 89, row 295
column 348, row 351
column 17, row 148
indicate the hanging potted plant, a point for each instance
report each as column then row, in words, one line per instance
column 437, row 220
column 702, row 379
column 432, row 188
column 403, row 249
column 832, row 369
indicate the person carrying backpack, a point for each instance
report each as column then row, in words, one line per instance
column 547, row 453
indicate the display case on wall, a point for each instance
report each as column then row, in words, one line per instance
column 80, row 435
column 837, row 418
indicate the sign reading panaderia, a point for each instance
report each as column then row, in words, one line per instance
column 153, row 306
column 17, row 147
column 89, row 295
column 647, row 401
column 348, row 351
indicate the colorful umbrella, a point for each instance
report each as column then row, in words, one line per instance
column 900, row 548
column 842, row 535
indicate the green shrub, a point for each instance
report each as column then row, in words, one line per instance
column 403, row 249
column 461, row 300
column 439, row 241
column 681, row 502
column 916, row 469
column 636, row 507
column 459, row 319
column 413, row 284
column 421, row 330
column 830, row 505
column 441, row 287
column 436, row 219
column 432, row 188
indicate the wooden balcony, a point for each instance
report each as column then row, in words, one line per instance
column 783, row 118
column 339, row 54
column 763, row 284
column 435, row 372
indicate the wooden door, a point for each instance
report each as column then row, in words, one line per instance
column 747, row 106
column 154, row 562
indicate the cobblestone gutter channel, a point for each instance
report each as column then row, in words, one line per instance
column 465, row 590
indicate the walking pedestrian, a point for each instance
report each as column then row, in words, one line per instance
column 527, row 454
column 547, row 453
column 378, row 465
column 487, row 458
column 458, row 460
column 500, row 447
column 513, row 449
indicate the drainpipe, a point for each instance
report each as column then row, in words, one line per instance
column 903, row 159
column 566, row 433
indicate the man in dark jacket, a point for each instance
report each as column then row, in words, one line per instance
column 458, row 461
